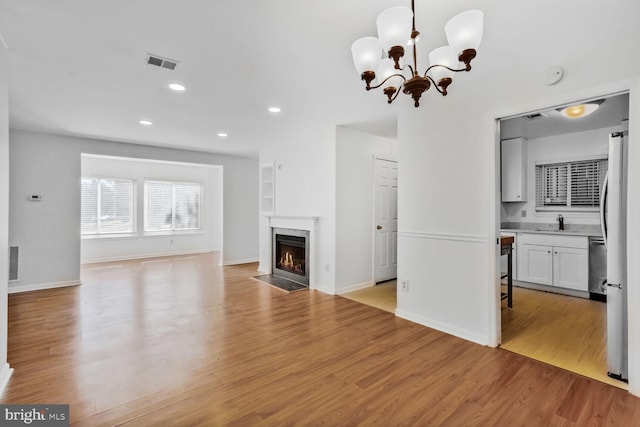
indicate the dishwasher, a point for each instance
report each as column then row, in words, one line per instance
column 597, row 269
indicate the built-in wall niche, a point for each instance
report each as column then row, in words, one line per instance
column 267, row 189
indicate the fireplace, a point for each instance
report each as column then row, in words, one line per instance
column 291, row 254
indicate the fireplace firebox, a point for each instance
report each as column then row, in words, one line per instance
column 291, row 254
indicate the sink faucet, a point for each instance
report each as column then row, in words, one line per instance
column 560, row 222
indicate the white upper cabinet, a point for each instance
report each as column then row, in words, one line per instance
column 514, row 170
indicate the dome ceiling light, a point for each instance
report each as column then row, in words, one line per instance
column 580, row 110
column 397, row 29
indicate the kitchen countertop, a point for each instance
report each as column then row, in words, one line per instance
column 585, row 230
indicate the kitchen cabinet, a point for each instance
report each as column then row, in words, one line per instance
column 560, row 261
column 514, row 170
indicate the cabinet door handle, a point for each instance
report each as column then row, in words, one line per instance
column 548, row 252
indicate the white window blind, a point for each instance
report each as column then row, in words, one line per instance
column 106, row 206
column 574, row 185
column 172, row 206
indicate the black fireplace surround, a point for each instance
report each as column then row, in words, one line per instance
column 290, row 257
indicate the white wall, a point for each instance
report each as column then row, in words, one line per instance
column 140, row 244
column 5, row 371
column 558, row 148
column 304, row 186
column 355, row 152
column 48, row 232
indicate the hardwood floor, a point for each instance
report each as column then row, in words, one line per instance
column 181, row 341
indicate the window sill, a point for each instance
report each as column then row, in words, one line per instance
column 109, row 236
column 171, row 233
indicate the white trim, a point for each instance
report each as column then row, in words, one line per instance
column 471, row 238
column 354, row 287
column 42, row 286
column 324, row 290
column 141, row 256
column 308, row 223
column 5, row 373
column 442, row 327
column 239, row 261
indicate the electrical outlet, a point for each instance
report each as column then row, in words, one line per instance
column 404, row 286
column 523, row 213
column 326, row 268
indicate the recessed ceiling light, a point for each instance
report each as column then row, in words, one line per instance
column 145, row 122
column 223, row 134
column 274, row 109
column 177, row 87
column 580, row 110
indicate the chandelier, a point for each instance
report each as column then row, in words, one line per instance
column 397, row 29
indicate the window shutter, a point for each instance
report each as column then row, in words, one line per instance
column 187, row 206
column 586, row 180
column 159, row 206
column 115, row 206
column 89, row 206
column 571, row 185
column 106, row 206
column 172, row 206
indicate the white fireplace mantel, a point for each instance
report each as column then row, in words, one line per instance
column 308, row 223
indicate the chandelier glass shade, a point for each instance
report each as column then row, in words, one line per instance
column 397, row 31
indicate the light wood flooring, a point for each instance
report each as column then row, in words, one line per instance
column 183, row 342
column 563, row 331
column 382, row 296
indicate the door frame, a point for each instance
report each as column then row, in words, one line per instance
column 373, row 213
column 631, row 86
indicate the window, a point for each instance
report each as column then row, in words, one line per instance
column 106, row 206
column 570, row 185
column 172, row 206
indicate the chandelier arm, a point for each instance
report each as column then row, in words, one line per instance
column 385, row 80
column 444, row 93
column 455, row 70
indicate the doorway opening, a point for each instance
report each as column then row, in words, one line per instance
column 551, row 173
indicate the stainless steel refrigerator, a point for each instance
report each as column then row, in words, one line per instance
column 613, row 218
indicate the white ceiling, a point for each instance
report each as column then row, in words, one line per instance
column 78, row 66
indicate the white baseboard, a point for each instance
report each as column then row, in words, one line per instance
column 354, row 287
column 141, row 256
column 239, row 261
column 324, row 290
column 41, row 286
column 443, row 327
column 5, row 374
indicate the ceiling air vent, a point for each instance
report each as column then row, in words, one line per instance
column 536, row 116
column 159, row 61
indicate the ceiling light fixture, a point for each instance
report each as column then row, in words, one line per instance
column 223, row 134
column 145, row 122
column 177, row 87
column 397, row 28
column 580, row 110
column 274, row 109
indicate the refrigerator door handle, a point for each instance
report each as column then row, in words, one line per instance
column 603, row 205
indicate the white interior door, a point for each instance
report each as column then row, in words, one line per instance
column 385, row 250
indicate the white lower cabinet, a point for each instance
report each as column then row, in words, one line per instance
column 536, row 264
column 561, row 261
